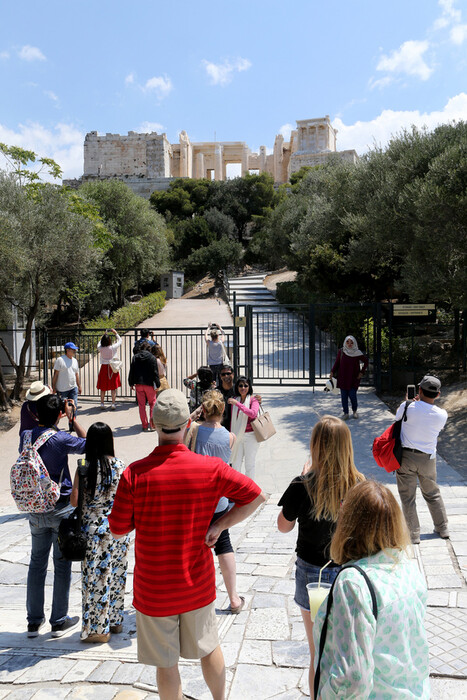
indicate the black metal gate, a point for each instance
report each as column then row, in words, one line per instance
column 297, row 345
column 185, row 349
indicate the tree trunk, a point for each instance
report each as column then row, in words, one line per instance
column 5, row 404
column 18, row 387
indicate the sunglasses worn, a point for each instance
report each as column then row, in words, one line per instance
column 243, row 386
column 226, row 374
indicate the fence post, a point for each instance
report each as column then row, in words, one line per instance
column 249, row 342
column 391, row 312
column 235, row 336
column 378, row 348
column 464, row 339
column 311, row 345
column 45, row 355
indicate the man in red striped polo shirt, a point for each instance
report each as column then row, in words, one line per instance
column 169, row 498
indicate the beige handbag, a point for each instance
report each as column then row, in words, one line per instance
column 115, row 365
column 262, row 426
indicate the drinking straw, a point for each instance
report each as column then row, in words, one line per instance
column 320, row 571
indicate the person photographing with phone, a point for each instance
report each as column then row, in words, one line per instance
column 419, row 436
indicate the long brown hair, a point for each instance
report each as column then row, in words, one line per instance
column 333, row 471
column 159, row 353
column 370, row 521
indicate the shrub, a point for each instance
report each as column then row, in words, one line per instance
column 132, row 314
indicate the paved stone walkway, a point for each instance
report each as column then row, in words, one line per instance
column 265, row 646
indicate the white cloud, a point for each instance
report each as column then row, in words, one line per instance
column 381, row 82
column 162, row 86
column 148, row 127
column 459, row 34
column 361, row 136
column 286, row 130
column 130, row 79
column 449, row 14
column 31, row 53
column 4, row 55
column 222, row 73
column 407, row 59
column 64, row 144
column 51, row 95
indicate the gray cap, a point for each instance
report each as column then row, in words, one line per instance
column 171, row 410
column 430, row 383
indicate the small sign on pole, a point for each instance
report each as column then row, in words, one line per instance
column 240, row 321
column 415, row 310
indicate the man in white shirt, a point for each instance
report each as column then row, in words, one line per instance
column 65, row 380
column 419, row 435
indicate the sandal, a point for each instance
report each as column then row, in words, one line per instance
column 238, row 609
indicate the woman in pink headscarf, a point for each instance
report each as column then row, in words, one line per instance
column 349, row 367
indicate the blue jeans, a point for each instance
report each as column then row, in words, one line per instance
column 347, row 394
column 309, row 573
column 70, row 394
column 44, row 532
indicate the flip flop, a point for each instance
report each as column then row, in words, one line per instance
column 238, row 609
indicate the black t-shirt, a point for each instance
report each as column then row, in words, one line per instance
column 314, row 536
column 227, row 394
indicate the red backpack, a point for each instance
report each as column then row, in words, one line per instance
column 387, row 448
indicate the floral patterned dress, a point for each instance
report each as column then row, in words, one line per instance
column 104, row 567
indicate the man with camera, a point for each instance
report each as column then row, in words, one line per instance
column 44, row 526
column 419, row 435
column 65, row 380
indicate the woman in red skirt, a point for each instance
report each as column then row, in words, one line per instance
column 108, row 380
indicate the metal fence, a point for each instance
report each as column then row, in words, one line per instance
column 297, row 345
column 292, row 346
column 185, row 349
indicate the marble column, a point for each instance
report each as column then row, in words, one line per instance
column 218, row 162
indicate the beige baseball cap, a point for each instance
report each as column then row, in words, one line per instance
column 171, row 410
column 36, row 391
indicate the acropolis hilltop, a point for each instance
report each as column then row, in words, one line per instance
column 148, row 162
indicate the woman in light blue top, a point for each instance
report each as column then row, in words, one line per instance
column 213, row 440
column 364, row 656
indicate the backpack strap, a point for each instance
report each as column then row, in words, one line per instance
column 322, row 639
column 27, row 439
column 43, row 437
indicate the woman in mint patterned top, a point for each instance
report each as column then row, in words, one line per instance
column 363, row 657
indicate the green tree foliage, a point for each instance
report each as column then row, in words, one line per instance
column 392, row 226
column 19, row 161
column 138, row 251
column 44, row 247
column 190, row 235
column 218, row 255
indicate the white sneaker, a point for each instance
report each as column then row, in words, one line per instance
column 345, row 416
column 112, row 408
column 102, row 406
column 355, row 414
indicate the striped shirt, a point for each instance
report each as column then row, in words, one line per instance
column 169, row 498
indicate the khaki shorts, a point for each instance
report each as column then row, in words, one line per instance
column 162, row 640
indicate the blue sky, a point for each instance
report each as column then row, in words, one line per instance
column 237, row 71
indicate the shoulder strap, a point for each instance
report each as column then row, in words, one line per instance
column 43, row 437
column 322, row 639
column 81, row 470
column 404, row 415
column 27, row 439
column 190, row 440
